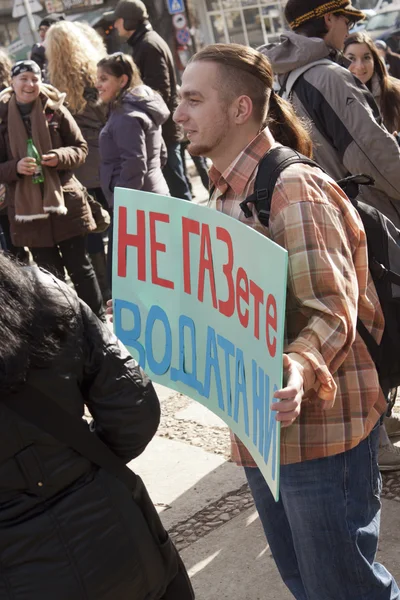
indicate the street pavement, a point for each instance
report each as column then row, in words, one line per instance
column 205, row 503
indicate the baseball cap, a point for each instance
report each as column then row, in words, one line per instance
column 130, row 10
column 298, row 12
column 380, row 44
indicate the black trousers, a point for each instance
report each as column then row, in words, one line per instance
column 20, row 253
column 72, row 255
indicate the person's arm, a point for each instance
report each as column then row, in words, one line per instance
column 344, row 112
column 130, row 139
column 8, row 167
column 74, row 150
column 155, row 72
column 323, row 283
column 119, row 395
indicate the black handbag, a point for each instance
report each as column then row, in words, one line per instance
column 158, row 553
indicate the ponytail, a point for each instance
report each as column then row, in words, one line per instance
column 286, row 127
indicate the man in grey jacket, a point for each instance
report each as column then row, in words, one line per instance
column 348, row 135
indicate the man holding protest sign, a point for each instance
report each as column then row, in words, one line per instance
column 323, row 532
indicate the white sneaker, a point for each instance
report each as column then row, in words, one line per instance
column 389, row 458
column 392, row 426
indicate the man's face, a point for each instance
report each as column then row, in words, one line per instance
column 338, row 30
column 43, row 29
column 202, row 112
column 119, row 26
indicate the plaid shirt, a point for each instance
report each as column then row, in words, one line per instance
column 328, row 286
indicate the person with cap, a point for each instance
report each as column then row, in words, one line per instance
column 347, row 129
column 38, row 52
column 155, row 63
column 50, row 215
column 391, row 59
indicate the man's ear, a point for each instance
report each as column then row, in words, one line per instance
column 242, row 109
column 329, row 20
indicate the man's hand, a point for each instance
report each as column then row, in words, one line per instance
column 288, row 409
column 110, row 310
column 26, row 166
column 49, row 160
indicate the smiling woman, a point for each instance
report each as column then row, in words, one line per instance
column 368, row 67
column 49, row 213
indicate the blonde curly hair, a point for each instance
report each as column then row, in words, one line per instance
column 5, row 69
column 72, row 62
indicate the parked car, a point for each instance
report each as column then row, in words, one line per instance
column 384, row 24
column 361, row 25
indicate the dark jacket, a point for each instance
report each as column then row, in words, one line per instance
column 131, row 144
column 71, row 149
column 38, row 54
column 91, row 121
column 67, row 529
column 154, row 60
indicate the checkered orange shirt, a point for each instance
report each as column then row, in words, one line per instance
column 328, row 286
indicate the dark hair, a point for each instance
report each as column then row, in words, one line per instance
column 245, row 71
column 390, row 87
column 315, row 28
column 119, row 64
column 34, row 324
column 51, row 19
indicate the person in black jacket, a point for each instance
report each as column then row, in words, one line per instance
column 154, row 60
column 68, row 528
column 38, row 52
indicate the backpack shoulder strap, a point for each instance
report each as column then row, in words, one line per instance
column 293, row 76
column 271, row 166
column 39, row 409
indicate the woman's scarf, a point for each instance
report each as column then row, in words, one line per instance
column 34, row 201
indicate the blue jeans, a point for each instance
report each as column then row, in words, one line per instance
column 323, row 532
column 175, row 175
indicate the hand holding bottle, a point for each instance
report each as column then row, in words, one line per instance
column 26, row 166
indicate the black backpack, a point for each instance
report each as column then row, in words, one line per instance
column 383, row 239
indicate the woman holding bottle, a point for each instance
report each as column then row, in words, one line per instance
column 47, row 208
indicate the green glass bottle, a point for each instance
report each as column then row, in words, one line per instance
column 32, row 152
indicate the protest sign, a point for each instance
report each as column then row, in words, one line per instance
column 199, row 301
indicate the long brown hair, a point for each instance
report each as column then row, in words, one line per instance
column 244, row 71
column 390, row 88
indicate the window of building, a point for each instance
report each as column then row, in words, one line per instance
column 249, row 22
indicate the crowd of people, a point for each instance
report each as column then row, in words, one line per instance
column 75, row 123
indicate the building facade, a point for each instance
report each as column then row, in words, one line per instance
column 249, row 22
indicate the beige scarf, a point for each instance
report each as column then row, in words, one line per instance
column 34, row 201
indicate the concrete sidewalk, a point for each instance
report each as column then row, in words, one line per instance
column 209, row 512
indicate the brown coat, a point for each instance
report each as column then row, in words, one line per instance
column 71, row 149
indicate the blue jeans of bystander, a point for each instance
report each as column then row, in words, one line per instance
column 323, row 532
column 174, row 173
